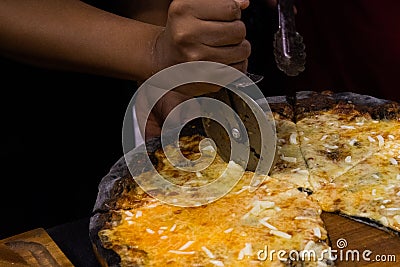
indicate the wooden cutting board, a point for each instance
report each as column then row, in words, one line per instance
column 348, row 236
column 33, row 248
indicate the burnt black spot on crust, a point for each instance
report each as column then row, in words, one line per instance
column 333, row 155
column 305, row 190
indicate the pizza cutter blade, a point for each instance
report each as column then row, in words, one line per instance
column 248, row 116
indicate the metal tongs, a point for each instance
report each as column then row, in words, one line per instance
column 289, row 49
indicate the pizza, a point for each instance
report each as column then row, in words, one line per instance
column 336, row 152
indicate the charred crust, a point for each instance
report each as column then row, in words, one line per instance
column 106, row 257
column 308, row 103
column 117, row 190
column 378, row 109
column 282, row 106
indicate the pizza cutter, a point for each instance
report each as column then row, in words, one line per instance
column 252, row 112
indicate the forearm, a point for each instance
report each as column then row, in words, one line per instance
column 70, row 35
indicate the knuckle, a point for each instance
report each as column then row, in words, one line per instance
column 181, row 37
column 193, row 55
column 177, row 8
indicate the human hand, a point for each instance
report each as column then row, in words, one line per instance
column 205, row 30
column 151, row 122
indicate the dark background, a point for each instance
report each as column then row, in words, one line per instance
column 61, row 132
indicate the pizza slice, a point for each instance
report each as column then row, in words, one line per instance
column 370, row 191
column 338, row 131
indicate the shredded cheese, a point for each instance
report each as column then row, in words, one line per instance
column 227, row 231
column 289, row 159
column 150, row 231
column 181, row 252
column 330, row 146
column 217, row 263
column 293, row 139
column 186, row 245
column 208, row 252
column 280, row 234
column 353, row 141
column 347, row 127
column 263, row 222
column 128, row 213
column 317, row 232
column 393, row 161
column 305, row 218
column 173, row 228
column 380, row 140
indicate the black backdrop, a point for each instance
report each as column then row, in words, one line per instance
column 61, row 132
